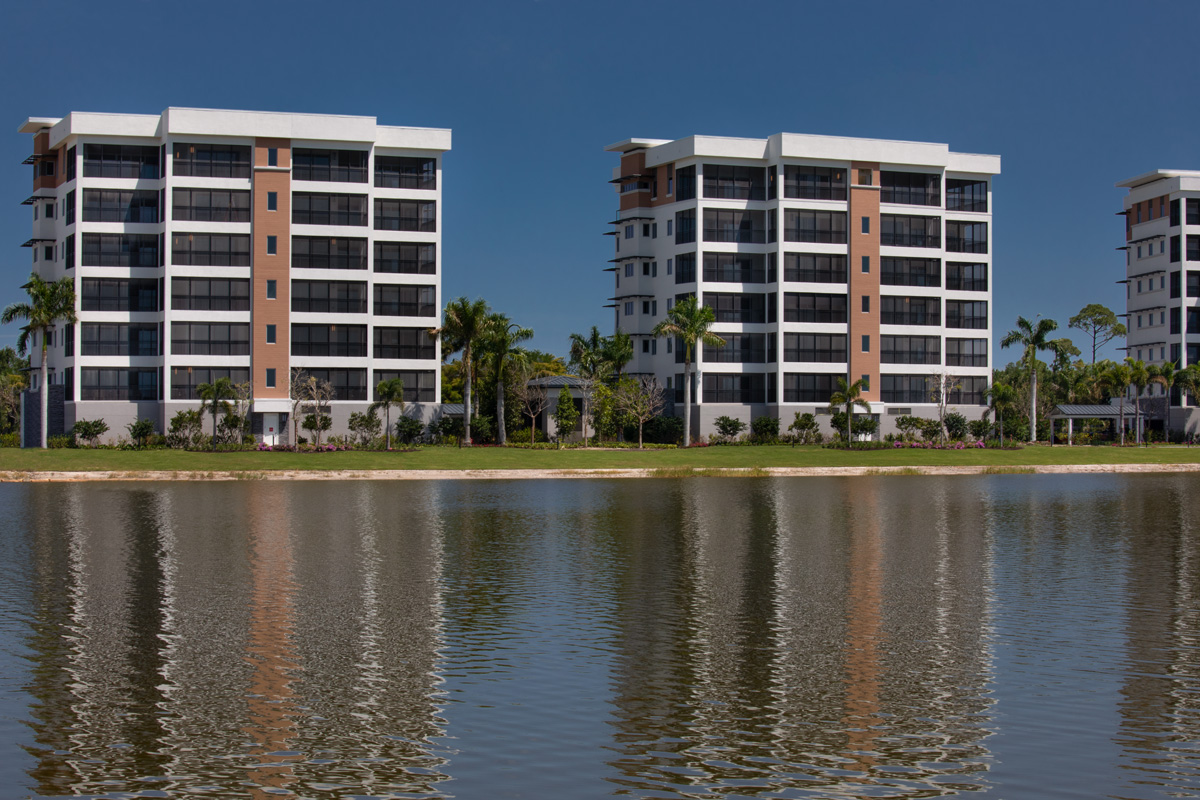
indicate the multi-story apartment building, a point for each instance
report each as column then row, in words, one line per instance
column 208, row 243
column 823, row 257
column 1162, row 272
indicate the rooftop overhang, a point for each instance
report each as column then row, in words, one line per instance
column 631, row 219
column 629, row 145
column 37, row 124
column 35, row 241
column 1156, row 175
column 28, row 201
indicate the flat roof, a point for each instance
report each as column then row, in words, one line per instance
column 236, row 123
column 812, row 146
column 1156, row 175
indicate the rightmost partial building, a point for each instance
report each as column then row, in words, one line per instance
column 1162, row 294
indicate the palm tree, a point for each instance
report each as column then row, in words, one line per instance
column 1116, row 379
column 587, row 356
column 214, row 398
column 618, row 351
column 389, row 392
column 850, row 395
column 502, row 342
column 463, row 325
column 49, row 303
column 1001, row 398
column 1165, row 375
column 691, row 323
column 1032, row 338
column 1139, row 378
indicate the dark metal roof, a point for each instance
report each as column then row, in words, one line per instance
column 1111, row 411
column 34, row 241
column 453, row 409
column 559, row 381
column 631, row 219
column 28, row 201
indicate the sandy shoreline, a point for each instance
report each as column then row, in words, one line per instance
column 22, row 476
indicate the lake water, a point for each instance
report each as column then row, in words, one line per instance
column 1014, row 636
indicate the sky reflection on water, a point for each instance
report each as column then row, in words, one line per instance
column 1022, row 636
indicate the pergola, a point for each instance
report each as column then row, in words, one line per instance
column 1112, row 410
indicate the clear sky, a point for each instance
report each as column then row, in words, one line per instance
column 1073, row 96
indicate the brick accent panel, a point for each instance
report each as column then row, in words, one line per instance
column 265, row 267
column 864, row 202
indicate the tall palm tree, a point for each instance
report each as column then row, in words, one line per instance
column 850, row 395
column 618, row 351
column 464, row 324
column 1031, row 338
column 1165, row 375
column 691, row 323
column 587, row 356
column 503, row 338
column 1001, row 399
column 49, row 303
column 1139, row 379
column 214, row 398
column 390, row 393
column 1116, row 379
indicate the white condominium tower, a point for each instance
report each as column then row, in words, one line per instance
column 209, row 243
column 823, row 257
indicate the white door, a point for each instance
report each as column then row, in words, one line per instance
column 270, row 429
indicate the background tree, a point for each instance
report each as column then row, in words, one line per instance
column 390, row 393
column 691, row 323
column 1031, row 338
column 12, row 383
column 49, row 304
column 849, row 395
column 1165, row 375
column 565, row 415
column 502, row 344
column 532, row 395
column 364, row 426
column 319, row 395
column 297, row 394
column 587, row 357
column 1099, row 323
column 805, row 429
column 640, row 399
column 1002, row 398
column 214, row 399
column 944, row 386
column 617, row 351
column 464, row 324
column 1116, row 378
column 1139, row 379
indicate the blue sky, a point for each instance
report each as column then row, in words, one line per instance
column 1073, row 96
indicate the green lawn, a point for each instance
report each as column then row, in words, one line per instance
column 502, row 458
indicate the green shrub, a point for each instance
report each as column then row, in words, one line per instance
column 483, row 430
column 10, row 440
column 956, row 426
column 89, row 431
column 931, row 430
column 728, row 427
column 909, row 426
column 805, row 429
column 60, row 442
column 660, row 430
column 979, row 428
column 364, row 427
column 444, row 428
column 765, row 430
column 408, row 430
column 140, row 430
column 187, row 430
column 521, row 436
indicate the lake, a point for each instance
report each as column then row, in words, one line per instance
column 1018, row 636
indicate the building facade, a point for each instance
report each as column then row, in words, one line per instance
column 241, row 244
column 1162, row 275
column 823, row 257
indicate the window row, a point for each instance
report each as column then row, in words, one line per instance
column 114, row 205
column 119, row 294
column 104, row 383
column 120, row 161
column 119, row 339
column 210, row 160
column 967, row 391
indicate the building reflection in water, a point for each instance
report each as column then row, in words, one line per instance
column 807, row 642
column 283, row 647
column 1160, row 705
